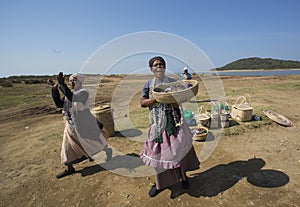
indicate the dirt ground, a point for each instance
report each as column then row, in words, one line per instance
column 258, row 164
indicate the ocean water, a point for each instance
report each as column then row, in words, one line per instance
column 258, row 73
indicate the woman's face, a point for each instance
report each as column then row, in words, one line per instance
column 158, row 68
column 74, row 83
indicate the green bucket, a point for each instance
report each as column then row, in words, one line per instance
column 188, row 114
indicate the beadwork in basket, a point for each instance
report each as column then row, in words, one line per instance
column 176, row 92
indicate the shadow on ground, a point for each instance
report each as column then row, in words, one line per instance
column 222, row 177
column 128, row 161
column 129, row 133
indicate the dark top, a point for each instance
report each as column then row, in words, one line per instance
column 80, row 97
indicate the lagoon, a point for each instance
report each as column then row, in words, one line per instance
column 257, row 72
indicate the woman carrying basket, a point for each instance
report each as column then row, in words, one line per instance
column 168, row 147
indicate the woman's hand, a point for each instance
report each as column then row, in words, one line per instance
column 52, row 84
column 60, row 78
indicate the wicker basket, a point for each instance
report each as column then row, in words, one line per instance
column 242, row 110
column 175, row 96
column 278, row 118
column 103, row 114
column 202, row 136
column 203, row 118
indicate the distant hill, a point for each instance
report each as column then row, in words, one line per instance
column 260, row 64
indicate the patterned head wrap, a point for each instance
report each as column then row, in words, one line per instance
column 151, row 61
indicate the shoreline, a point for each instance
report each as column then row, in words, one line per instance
column 253, row 70
column 124, row 74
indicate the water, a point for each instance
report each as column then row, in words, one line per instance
column 258, row 73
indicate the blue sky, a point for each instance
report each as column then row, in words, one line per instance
column 45, row 37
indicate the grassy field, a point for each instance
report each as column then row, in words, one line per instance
column 31, row 96
column 24, row 96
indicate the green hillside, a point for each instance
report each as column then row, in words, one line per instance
column 260, row 63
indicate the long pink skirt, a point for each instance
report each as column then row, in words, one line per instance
column 171, row 158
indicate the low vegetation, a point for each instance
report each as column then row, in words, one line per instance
column 260, row 63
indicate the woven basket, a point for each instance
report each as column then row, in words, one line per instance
column 242, row 109
column 203, row 118
column 104, row 114
column 202, row 136
column 278, row 118
column 175, row 96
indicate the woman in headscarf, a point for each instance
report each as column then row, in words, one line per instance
column 186, row 75
column 168, row 147
column 83, row 136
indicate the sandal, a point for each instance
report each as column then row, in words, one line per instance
column 153, row 191
column 65, row 173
